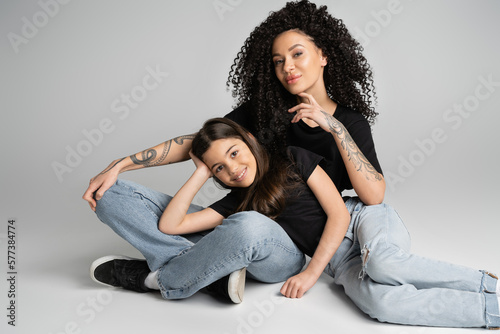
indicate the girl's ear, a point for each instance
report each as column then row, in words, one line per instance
column 323, row 59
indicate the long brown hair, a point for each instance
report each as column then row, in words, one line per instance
column 274, row 178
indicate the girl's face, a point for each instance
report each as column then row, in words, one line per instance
column 232, row 162
column 298, row 63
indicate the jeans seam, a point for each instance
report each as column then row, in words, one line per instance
column 228, row 259
column 143, row 196
column 368, row 249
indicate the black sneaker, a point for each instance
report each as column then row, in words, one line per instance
column 230, row 287
column 120, row 271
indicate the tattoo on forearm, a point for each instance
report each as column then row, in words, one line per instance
column 148, row 157
column 111, row 167
column 180, row 140
column 163, row 156
column 353, row 152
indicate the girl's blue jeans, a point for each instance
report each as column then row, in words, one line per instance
column 188, row 263
column 373, row 263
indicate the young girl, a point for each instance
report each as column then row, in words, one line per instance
column 364, row 248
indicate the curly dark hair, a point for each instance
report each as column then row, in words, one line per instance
column 347, row 76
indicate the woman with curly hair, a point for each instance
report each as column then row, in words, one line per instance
column 300, row 64
column 347, row 76
column 303, row 70
column 301, row 59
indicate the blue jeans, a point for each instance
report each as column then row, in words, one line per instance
column 188, row 263
column 384, row 280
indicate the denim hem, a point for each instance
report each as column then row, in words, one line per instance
column 492, row 311
column 489, row 282
column 163, row 290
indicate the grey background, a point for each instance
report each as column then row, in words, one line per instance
column 428, row 58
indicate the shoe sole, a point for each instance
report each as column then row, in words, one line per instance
column 102, row 260
column 236, row 285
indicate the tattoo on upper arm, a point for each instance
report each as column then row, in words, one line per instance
column 111, row 167
column 354, row 154
column 180, row 140
column 148, row 156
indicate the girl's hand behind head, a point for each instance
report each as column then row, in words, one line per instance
column 200, row 165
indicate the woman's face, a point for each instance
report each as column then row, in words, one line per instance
column 232, row 162
column 298, row 63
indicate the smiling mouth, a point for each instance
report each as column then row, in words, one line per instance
column 241, row 176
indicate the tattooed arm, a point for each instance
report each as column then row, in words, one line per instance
column 171, row 151
column 366, row 181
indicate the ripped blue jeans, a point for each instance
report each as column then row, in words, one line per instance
column 387, row 282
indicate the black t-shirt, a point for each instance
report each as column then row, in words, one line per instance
column 303, row 218
column 321, row 142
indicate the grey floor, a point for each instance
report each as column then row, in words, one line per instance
column 56, row 295
column 437, row 75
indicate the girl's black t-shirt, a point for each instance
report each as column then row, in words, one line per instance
column 303, row 218
column 305, row 221
column 321, row 142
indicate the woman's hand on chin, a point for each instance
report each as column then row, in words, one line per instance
column 312, row 111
